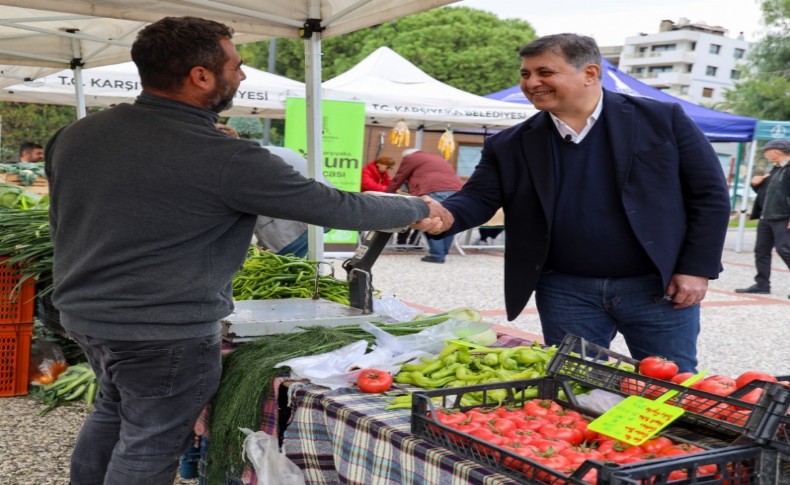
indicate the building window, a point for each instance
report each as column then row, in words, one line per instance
column 689, row 67
column 710, row 71
column 468, row 158
column 714, row 48
column 658, row 69
column 707, row 92
column 735, row 74
column 663, row 47
column 684, row 90
column 693, row 46
column 739, row 53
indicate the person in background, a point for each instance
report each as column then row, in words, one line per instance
column 281, row 236
column 152, row 212
column 30, row 152
column 284, row 236
column 772, row 208
column 376, row 175
column 616, row 207
column 430, row 175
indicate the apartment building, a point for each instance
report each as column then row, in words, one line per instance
column 693, row 61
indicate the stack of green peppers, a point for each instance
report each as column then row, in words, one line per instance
column 459, row 365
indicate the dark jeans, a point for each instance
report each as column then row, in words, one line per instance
column 595, row 309
column 150, row 395
column 439, row 248
column 770, row 233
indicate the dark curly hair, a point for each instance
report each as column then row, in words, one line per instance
column 167, row 50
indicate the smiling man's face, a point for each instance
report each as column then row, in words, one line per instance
column 550, row 83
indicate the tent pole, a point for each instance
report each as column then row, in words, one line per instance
column 418, row 141
column 76, row 66
column 312, row 34
column 745, row 198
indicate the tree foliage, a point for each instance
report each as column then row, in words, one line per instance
column 23, row 122
column 764, row 92
column 469, row 49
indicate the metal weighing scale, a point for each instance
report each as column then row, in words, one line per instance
column 256, row 318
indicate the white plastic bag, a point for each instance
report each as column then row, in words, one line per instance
column 429, row 341
column 271, row 465
column 389, row 306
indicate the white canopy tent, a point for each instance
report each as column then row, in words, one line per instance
column 261, row 94
column 307, row 19
column 394, row 89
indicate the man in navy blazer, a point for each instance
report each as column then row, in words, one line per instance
column 616, row 207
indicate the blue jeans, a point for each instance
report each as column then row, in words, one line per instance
column 597, row 308
column 439, row 248
column 297, row 247
column 150, row 395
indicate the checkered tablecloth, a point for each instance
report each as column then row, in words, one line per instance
column 348, row 437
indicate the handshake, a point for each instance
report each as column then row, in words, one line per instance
column 439, row 219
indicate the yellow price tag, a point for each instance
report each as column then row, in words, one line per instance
column 637, row 419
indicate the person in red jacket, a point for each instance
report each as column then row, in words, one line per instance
column 375, row 175
column 428, row 174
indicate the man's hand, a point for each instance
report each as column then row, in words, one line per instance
column 687, row 290
column 439, row 219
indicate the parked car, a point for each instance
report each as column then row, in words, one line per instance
column 736, row 194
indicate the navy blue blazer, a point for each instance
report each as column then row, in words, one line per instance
column 670, row 180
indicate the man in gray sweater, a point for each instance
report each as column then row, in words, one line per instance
column 152, row 212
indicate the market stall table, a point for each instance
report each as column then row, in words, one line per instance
column 347, row 436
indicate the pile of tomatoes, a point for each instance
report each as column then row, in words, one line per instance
column 718, row 385
column 544, row 432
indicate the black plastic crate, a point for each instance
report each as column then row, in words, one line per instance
column 496, row 459
column 750, row 464
column 763, row 423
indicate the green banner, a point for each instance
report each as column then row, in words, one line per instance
column 343, row 124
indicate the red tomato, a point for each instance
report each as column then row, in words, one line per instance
column 717, row 384
column 631, row 386
column 734, row 414
column 680, row 449
column 374, row 380
column 500, row 425
column 523, row 436
column 752, row 396
column 450, row 417
column 562, row 432
column 656, row 444
column 565, row 416
column 751, row 375
column 658, row 368
column 550, row 459
column 577, row 455
column 678, row 379
column 526, row 421
column 467, row 425
column 589, row 435
column 546, row 445
column 481, row 415
column 541, row 407
column 488, row 435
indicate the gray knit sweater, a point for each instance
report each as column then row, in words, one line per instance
column 152, row 211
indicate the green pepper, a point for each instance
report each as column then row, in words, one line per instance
column 491, row 359
column 447, row 371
